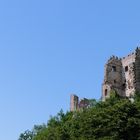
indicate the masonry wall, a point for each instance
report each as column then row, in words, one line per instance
column 137, row 70
column 128, row 64
column 113, row 77
column 78, row 105
column 74, row 101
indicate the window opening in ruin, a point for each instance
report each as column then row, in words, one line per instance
column 126, row 68
column 114, row 81
column 105, row 92
column 114, row 68
column 124, row 86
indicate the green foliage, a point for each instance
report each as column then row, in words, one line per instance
column 29, row 135
column 115, row 119
column 92, row 102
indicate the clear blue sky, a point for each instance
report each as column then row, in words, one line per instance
column 52, row 48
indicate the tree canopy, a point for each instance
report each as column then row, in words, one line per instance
column 115, row 119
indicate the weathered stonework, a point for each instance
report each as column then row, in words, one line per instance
column 122, row 75
column 74, row 101
column 76, row 105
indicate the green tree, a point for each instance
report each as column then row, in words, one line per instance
column 115, row 119
column 27, row 135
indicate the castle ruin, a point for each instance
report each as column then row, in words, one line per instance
column 122, row 75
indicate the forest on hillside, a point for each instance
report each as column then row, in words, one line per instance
column 115, row 119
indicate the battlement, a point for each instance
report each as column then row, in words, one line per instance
column 129, row 55
column 137, row 49
column 114, row 58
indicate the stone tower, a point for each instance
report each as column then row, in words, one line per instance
column 122, row 75
column 74, row 101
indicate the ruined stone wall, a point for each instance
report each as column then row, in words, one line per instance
column 74, row 101
column 137, row 70
column 84, row 103
column 113, row 77
column 78, row 105
column 106, row 88
column 128, row 64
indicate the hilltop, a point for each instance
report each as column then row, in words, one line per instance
column 115, row 119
